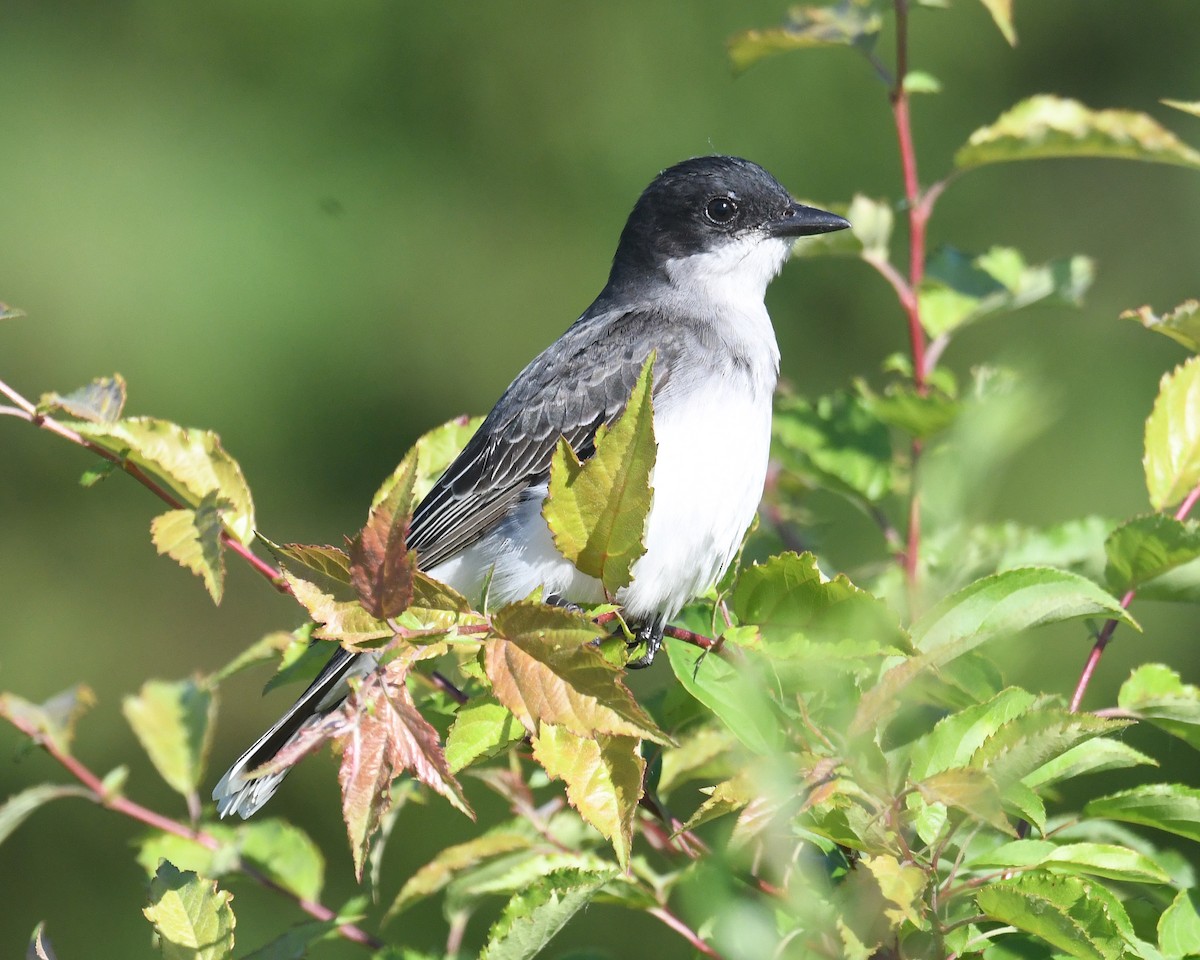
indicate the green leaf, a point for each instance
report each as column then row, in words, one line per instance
column 192, row 538
column 1059, row 910
column 1179, row 926
column 533, row 917
column 284, row 853
column 918, row 81
column 261, row 651
column 1049, row 126
column 332, row 562
column 295, row 944
column 1001, row 11
column 597, row 510
column 192, row 462
column 451, row 862
column 345, row 621
column 481, row 729
column 1155, row 693
column 437, row 449
column 1165, row 806
column 1193, row 107
column 101, row 401
column 902, row 406
column 1021, row 745
column 542, row 670
column 1147, row 547
column 8, row 312
column 732, row 693
column 603, row 775
column 18, row 807
column 1106, row 860
column 705, row 753
column 54, row 720
column 870, row 232
column 1094, row 756
column 1181, row 324
column 837, row 442
column 956, row 738
column 971, row 790
column 1172, row 458
column 997, row 606
column 846, row 22
column 191, row 916
column 959, row 290
column 173, row 721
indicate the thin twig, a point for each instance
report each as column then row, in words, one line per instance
column 688, row 934
column 135, row 811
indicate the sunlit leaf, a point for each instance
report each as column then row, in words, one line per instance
column 702, row 751
column 435, row 451
column 452, row 861
column 918, row 81
column 1181, row 324
column 1172, row 807
column 967, row 789
column 955, row 739
column 1001, row 11
column 192, row 462
column 191, row 916
column 543, row 669
column 192, row 538
column 55, row 719
column 343, row 620
column 901, row 886
column 904, row 407
column 1192, row 107
column 1156, row 694
column 597, row 510
column 603, row 775
column 1094, row 756
column 101, row 401
column 533, row 917
column 1059, row 910
column 262, row 650
column 1050, row 126
column 9, row 312
column 285, row 853
column 1147, row 547
column 173, row 721
column 1179, row 926
column 332, row 562
column 481, row 729
column 381, row 565
column 1021, row 745
column 40, row 947
column 1106, row 860
column 1172, row 457
column 960, row 290
column 846, row 22
column 17, row 808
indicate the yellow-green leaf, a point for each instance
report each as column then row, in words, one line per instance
column 1181, row 324
column 101, row 401
column 596, row 510
column 1001, row 11
column 544, row 670
column 603, row 775
column 192, row 538
column 901, row 886
column 1049, row 126
column 55, row 719
column 191, row 462
column 847, row 22
column 173, row 721
column 1192, row 107
column 481, row 729
column 1172, row 457
column 453, row 860
column 191, row 915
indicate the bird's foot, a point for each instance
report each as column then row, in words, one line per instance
column 649, row 633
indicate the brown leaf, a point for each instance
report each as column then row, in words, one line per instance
column 381, row 565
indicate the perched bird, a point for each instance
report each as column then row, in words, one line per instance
column 687, row 282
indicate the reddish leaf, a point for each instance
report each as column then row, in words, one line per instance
column 381, row 566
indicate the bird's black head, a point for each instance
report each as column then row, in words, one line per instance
column 700, row 205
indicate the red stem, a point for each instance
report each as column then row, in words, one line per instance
column 1110, row 626
column 688, row 934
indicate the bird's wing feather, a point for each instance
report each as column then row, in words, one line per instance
column 580, row 382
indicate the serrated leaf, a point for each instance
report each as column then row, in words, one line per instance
column 967, row 789
column 1165, row 806
column 955, row 738
column 731, row 693
column 1179, row 926
column 173, row 721
column 262, row 650
column 997, row 606
column 192, row 538
column 332, row 562
column 40, row 947
column 541, row 670
column 1001, row 11
column 837, row 442
column 514, row 872
column 1050, row 126
column 1058, row 910
column 345, row 621
column 381, row 565
column 18, row 807
column 846, row 22
column 1156, row 694
column 1106, row 860
column 101, row 401
column 703, row 750
column 192, row 462
column 481, row 729
column 191, row 916
column 533, row 917
column 1172, row 457
column 452, row 862
column 901, row 886
column 54, row 720
column 959, row 290
column 1147, row 547
column 1181, row 324
column 285, row 853
column 597, row 510
column 1021, row 745
column 603, row 775
column 1094, row 756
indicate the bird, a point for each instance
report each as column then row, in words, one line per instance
column 687, row 283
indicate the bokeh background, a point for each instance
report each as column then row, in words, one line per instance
column 321, row 229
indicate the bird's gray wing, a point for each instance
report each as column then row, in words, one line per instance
column 581, row 381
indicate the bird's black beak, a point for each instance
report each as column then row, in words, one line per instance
column 801, row 221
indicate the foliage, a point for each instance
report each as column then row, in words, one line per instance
column 843, row 771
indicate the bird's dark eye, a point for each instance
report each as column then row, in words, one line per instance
column 721, row 210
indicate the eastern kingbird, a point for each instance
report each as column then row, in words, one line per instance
column 687, row 282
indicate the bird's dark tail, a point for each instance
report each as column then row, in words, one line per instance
column 236, row 792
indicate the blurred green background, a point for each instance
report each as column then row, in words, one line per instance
column 321, row 229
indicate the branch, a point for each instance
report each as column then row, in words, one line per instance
column 135, row 811
column 688, row 934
